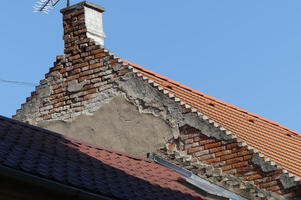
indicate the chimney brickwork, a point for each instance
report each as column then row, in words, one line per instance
column 78, row 76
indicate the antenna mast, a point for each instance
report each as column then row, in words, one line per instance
column 45, row 5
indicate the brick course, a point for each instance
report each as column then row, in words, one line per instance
column 232, row 159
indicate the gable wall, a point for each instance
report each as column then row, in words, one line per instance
column 89, row 78
column 80, row 97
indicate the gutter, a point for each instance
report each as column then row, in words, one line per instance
column 198, row 182
column 50, row 185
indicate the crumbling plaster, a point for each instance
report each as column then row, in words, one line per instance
column 117, row 125
column 132, row 116
column 30, row 110
column 151, row 100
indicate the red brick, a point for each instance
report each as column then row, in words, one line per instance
column 80, row 31
column 70, row 78
column 235, row 160
column 60, row 57
column 248, row 157
column 239, row 149
column 228, row 156
column 59, row 90
column 172, row 147
column 194, row 149
column 232, row 145
column 87, row 97
column 84, row 54
column 240, row 164
column 273, row 189
column 59, row 104
column 57, row 96
column 247, row 168
column 226, row 167
column 96, row 65
column 217, row 149
column 46, row 117
column 84, row 64
column 97, row 51
column 76, row 13
column 213, row 160
column 207, row 141
column 123, row 72
column 213, row 145
column 77, row 109
column 89, row 58
column 221, row 153
column 85, row 73
column 91, row 91
column 76, row 71
column 206, row 157
column 84, row 78
column 101, row 55
column 269, row 184
column 254, row 177
column 232, row 171
column 188, row 141
column 74, row 57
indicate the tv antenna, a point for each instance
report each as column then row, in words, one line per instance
column 46, row 5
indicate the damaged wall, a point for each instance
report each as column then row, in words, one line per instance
column 233, row 159
column 90, row 94
column 117, row 125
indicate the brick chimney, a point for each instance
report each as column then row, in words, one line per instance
column 73, row 85
column 83, row 20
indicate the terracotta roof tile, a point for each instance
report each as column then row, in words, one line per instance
column 95, row 169
column 281, row 144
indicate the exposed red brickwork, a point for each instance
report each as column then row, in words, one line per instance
column 232, row 159
column 85, row 62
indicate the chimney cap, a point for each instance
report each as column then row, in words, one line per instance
column 84, row 4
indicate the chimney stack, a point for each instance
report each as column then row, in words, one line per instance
column 83, row 20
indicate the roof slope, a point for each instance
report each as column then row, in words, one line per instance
column 279, row 143
column 52, row 156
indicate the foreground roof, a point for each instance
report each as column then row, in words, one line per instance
column 95, row 169
column 279, row 143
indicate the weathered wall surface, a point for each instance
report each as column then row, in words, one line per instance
column 118, row 125
column 92, row 95
column 236, row 160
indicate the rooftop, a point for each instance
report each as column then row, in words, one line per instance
column 95, row 169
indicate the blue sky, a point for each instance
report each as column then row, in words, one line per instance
column 247, row 53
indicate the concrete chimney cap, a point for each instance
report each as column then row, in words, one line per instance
column 84, row 4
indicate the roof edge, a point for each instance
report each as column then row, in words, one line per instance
column 50, row 184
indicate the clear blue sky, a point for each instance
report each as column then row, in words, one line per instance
column 247, row 53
